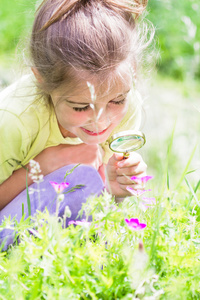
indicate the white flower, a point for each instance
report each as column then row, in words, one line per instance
column 34, row 172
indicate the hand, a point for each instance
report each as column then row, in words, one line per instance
column 120, row 170
column 53, row 158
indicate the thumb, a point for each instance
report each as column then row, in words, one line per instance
column 115, row 158
column 118, row 156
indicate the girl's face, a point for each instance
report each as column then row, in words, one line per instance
column 90, row 120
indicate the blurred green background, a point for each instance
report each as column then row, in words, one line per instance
column 16, row 17
column 177, row 29
column 174, row 94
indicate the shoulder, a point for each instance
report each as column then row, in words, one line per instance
column 21, row 103
column 21, row 87
column 13, row 136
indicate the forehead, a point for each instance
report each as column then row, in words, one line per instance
column 85, row 86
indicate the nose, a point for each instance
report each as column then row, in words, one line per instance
column 101, row 118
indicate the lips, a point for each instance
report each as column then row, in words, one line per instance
column 93, row 133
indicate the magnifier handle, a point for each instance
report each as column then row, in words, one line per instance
column 126, row 155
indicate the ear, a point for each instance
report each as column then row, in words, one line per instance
column 37, row 74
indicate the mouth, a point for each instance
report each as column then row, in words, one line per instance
column 93, row 133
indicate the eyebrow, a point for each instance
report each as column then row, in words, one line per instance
column 88, row 103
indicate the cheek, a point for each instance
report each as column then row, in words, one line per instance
column 124, row 110
column 74, row 118
column 118, row 112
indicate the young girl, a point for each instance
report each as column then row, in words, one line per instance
column 85, row 56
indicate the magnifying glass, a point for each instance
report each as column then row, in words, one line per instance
column 127, row 141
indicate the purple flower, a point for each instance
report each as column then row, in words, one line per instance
column 59, row 187
column 136, row 193
column 135, row 224
column 141, row 180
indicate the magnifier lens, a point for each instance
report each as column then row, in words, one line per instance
column 127, row 141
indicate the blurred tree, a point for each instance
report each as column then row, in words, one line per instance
column 16, row 17
column 178, row 32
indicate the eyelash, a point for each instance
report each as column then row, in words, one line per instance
column 119, row 102
column 88, row 106
column 81, row 108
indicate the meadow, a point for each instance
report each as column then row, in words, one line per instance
column 114, row 256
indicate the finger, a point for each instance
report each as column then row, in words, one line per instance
column 115, row 158
column 133, row 160
column 133, row 186
column 126, row 180
column 119, row 156
column 136, row 170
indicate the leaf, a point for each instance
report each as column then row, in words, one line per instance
column 198, row 219
column 196, row 241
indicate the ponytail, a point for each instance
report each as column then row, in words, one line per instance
column 67, row 7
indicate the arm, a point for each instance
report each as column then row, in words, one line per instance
column 11, row 187
column 51, row 159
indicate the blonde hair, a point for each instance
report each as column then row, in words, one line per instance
column 85, row 35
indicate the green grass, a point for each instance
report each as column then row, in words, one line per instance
column 103, row 260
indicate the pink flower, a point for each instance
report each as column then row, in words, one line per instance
column 59, row 187
column 136, row 193
column 147, row 200
column 141, row 180
column 135, row 224
column 81, row 222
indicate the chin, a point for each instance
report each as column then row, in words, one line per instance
column 94, row 140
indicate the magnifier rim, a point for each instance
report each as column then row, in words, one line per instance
column 126, row 133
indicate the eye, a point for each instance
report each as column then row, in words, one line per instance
column 81, row 108
column 118, row 102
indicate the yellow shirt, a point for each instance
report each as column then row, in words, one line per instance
column 28, row 126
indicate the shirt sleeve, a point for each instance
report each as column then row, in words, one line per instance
column 12, row 150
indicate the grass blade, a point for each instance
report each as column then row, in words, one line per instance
column 168, row 179
column 22, row 209
column 193, row 193
column 166, row 168
column 70, row 171
column 27, row 195
column 197, row 186
column 74, row 188
column 186, row 168
column 192, row 171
